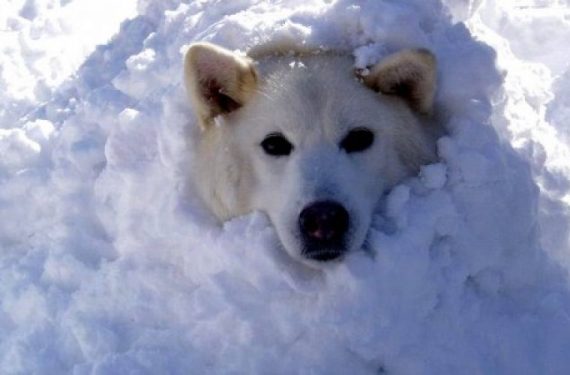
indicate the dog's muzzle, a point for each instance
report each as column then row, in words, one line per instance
column 323, row 226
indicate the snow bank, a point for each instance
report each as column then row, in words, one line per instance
column 110, row 265
column 43, row 42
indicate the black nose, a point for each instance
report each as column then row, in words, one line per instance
column 323, row 225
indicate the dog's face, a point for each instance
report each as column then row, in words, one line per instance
column 306, row 141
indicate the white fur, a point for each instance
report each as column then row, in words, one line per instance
column 314, row 100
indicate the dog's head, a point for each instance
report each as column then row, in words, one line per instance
column 306, row 140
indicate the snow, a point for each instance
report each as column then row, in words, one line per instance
column 109, row 264
column 45, row 41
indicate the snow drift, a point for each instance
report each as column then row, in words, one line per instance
column 110, row 265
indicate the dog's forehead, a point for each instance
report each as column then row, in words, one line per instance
column 314, row 94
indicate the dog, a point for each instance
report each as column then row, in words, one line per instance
column 307, row 139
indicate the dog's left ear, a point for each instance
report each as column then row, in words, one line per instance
column 218, row 81
column 409, row 74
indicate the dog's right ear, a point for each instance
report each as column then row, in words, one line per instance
column 217, row 80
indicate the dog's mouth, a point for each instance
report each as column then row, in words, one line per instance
column 324, row 256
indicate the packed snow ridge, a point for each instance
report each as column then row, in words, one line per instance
column 109, row 264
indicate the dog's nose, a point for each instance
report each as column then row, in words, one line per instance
column 324, row 225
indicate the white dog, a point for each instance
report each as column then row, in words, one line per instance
column 304, row 139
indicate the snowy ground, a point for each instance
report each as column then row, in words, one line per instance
column 108, row 264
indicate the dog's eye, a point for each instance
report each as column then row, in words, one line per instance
column 276, row 144
column 357, row 140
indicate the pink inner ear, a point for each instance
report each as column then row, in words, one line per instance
column 213, row 71
column 213, row 93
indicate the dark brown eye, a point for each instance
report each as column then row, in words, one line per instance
column 275, row 144
column 357, row 140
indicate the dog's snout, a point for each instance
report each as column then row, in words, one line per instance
column 324, row 225
column 324, row 221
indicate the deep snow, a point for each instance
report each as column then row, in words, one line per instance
column 110, row 265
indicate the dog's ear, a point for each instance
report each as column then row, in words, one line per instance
column 217, row 80
column 409, row 74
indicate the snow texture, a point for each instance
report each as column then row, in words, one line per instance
column 110, row 265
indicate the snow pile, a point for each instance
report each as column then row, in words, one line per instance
column 531, row 108
column 109, row 265
column 42, row 42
